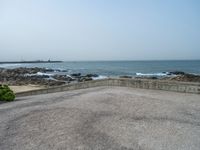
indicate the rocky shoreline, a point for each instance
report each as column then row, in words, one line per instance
column 173, row 76
column 40, row 76
column 51, row 77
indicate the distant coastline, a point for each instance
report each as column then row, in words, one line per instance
column 23, row 62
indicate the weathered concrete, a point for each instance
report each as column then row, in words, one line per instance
column 102, row 118
column 186, row 87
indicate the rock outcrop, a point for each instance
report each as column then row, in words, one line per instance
column 40, row 76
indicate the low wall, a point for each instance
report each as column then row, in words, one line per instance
column 186, row 87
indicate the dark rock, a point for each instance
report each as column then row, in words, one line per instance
column 126, row 77
column 76, row 75
column 92, row 75
column 63, row 77
column 64, row 70
column 49, row 70
column 154, row 78
column 187, row 78
column 40, row 76
column 85, row 79
column 177, row 73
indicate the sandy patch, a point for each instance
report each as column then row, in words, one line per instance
column 23, row 88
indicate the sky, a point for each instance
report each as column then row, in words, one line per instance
column 73, row 30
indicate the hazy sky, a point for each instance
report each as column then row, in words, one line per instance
column 99, row 29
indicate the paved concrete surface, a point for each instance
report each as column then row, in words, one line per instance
column 102, row 118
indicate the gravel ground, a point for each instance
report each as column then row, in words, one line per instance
column 102, row 118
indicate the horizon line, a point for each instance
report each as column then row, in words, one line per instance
column 131, row 60
column 62, row 60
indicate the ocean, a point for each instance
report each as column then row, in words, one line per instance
column 119, row 68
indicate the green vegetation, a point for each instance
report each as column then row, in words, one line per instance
column 6, row 94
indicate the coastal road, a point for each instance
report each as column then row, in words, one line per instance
column 102, row 118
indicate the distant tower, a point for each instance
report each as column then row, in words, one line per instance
column 49, row 60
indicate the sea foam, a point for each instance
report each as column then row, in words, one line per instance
column 99, row 77
column 153, row 74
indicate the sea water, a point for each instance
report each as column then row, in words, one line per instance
column 119, row 68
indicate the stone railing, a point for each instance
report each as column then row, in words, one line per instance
column 186, row 87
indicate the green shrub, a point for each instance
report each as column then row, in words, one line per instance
column 6, row 94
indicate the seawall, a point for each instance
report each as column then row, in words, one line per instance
column 184, row 87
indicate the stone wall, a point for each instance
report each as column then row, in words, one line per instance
column 186, row 87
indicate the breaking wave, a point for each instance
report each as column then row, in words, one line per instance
column 99, row 77
column 153, row 74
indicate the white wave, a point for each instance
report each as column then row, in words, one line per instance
column 99, row 77
column 42, row 74
column 69, row 76
column 39, row 74
column 8, row 65
column 152, row 74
